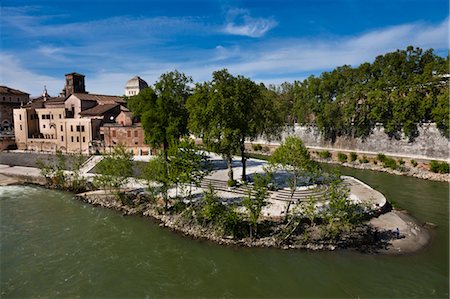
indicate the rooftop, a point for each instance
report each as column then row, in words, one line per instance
column 9, row 90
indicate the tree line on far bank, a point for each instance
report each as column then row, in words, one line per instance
column 399, row 89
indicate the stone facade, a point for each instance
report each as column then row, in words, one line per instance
column 430, row 143
column 9, row 99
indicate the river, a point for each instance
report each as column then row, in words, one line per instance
column 54, row 246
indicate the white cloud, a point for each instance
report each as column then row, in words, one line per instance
column 14, row 75
column 239, row 22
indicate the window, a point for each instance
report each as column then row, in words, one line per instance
column 135, row 133
column 80, row 128
column 84, row 139
column 71, row 138
column 71, row 129
column 62, row 138
column 43, row 126
column 20, row 117
column 113, row 133
column 52, row 116
column 78, row 139
column 61, row 128
column 60, row 116
column 21, row 127
column 128, row 134
column 43, row 116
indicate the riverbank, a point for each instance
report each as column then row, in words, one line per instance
column 376, row 236
column 416, row 172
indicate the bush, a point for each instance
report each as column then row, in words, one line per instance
column 439, row 167
column 401, row 162
column 363, row 160
column 381, row 157
column 231, row 183
column 325, row 154
column 390, row 163
column 342, row 157
column 257, row 147
column 414, row 163
column 353, row 157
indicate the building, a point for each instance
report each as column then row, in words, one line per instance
column 134, row 86
column 10, row 98
column 77, row 122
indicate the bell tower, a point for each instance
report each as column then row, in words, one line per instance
column 74, row 84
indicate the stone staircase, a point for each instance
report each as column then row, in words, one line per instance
column 281, row 195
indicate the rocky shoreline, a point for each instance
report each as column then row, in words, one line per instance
column 377, row 238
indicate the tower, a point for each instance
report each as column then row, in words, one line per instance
column 74, row 84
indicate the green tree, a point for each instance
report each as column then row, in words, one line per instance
column 188, row 165
column 256, row 200
column 293, row 157
column 227, row 111
column 162, row 110
column 156, row 171
column 114, row 170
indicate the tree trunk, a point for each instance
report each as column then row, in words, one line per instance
column 230, row 168
column 243, row 160
column 294, row 187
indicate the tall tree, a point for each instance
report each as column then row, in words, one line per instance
column 227, row 111
column 162, row 109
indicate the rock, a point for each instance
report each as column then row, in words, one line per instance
column 430, row 225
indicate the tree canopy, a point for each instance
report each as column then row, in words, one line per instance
column 228, row 110
column 162, row 109
column 399, row 90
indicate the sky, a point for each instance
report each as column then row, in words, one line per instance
column 268, row 41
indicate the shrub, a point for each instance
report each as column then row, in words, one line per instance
column 353, row 157
column 381, row 157
column 390, row 163
column 257, row 147
column 231, row 183
column 342, row 157
column 401, row 162
column 325, row 154
column 414, row 163
column 363, row 160
column 439, row 167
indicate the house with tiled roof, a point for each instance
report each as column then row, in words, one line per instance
column 75, row 121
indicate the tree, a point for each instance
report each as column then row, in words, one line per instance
column 188, row 165
column 227, row 111
column 162, row 110
column 114, row 170
column 293, row 157
column 156, row 171
column 256, row 200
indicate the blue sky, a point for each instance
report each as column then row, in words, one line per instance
column 268, row 41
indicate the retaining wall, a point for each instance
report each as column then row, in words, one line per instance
column 429, row 144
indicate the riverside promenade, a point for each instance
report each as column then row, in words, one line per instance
column 412, row 235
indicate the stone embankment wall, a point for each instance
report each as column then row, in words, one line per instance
column 430, row 144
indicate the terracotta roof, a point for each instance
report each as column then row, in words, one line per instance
column 100, row 98
column 40, row 103
column 9, row 90
column 98, row 110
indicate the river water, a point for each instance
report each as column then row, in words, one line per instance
column 54, row 246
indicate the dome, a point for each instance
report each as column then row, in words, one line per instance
column 134, row 86
column 136, row 82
